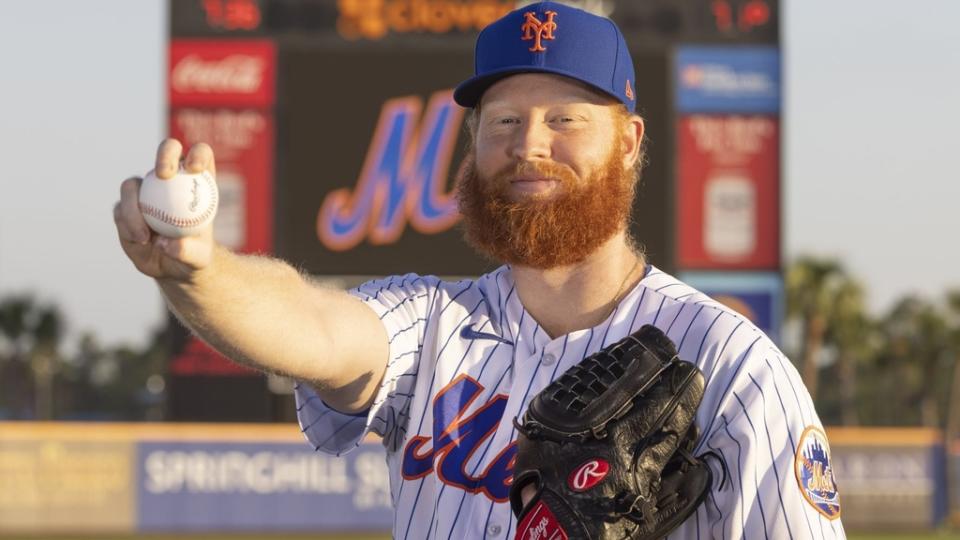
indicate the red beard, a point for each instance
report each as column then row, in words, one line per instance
column 544, row 233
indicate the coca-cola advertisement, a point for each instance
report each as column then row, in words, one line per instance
column 222, row 73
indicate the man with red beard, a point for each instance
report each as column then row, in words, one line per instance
column 439, row 369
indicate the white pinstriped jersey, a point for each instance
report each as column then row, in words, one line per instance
column 466, row 358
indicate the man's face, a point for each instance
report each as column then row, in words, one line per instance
column 550, row 176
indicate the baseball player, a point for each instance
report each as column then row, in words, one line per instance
column 441, row 369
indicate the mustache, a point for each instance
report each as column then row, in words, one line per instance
column 547, row 170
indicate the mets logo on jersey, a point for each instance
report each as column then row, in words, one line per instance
column 536, row 30
column 815, row 472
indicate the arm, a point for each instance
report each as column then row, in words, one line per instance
column 760, row 430
column 262, row 313
column 256, row 310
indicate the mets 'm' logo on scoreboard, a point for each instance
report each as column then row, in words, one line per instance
column 403, row 179
column 815, row 473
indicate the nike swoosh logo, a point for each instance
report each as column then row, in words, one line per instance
column 467, row 332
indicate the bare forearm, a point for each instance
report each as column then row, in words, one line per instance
column 255, row 310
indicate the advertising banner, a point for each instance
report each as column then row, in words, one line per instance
column 242, row 486
column 758, row 296
column 222, row 73
column 243, row 144
column 728, row 196
column 728, row 80
column 50, row 484
column 889, row 478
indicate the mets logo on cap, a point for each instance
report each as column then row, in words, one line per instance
column 536, row 30
column 815, row 473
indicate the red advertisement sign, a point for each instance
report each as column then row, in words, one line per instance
column 242, row 142
column 222, row 73
column 198, row 358
column 728, row 192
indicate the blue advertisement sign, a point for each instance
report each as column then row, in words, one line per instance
column 756, row 295
column 242, row 486
column 728, row 80
column 891, row 485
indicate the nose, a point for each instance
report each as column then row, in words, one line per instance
column 531, row 141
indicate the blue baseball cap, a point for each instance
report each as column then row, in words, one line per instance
column 548, row 37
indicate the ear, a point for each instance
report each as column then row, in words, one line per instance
column 632, row 134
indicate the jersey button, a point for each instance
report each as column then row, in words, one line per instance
column 493, row 530
column 549, row 359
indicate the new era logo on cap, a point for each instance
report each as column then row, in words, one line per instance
column 548, row 37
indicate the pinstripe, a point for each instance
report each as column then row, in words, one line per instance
column 636, row 311
column 480, row 460
column 675, row 317
column 657, row 316
column 796, row 396
column 713, row 497
column 703, row 340
column 341, row 428
column 713, row 368
column 668, row 285
column 726, row 391
column 314, row 422
column 693, row 320
column 411, row 327
column 743, row 507
column 457, row 370
column 513, row 430
column 756, row 472
column 309, row 399
column 402, row 302
column 773, row 458
column 553, row 376
column 423, row 415
column 793, row 444
column 610, row 320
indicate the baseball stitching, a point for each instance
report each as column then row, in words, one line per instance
column 181, row 222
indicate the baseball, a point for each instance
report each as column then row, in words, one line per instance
column 181, row 206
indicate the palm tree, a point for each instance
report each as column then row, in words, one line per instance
column 45, row 358
column 813, row 286
column 30, row 336
column 14, row 377
column 851, row 333
column 920, row 335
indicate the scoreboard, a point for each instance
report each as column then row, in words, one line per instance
column 337, row 139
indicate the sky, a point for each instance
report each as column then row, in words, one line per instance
column 870, row 111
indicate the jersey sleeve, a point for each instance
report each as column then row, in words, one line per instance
column 773, row 475
column 403, row 304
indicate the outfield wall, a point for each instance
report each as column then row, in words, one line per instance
column 119, row 478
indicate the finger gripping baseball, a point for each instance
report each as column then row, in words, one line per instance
column 608, row 445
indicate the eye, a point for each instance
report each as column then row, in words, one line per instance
column 566, row 119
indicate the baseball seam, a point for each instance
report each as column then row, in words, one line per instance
column 183, row 222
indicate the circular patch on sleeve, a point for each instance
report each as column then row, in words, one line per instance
column 815, row 472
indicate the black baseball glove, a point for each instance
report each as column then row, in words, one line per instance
column 608, row 446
